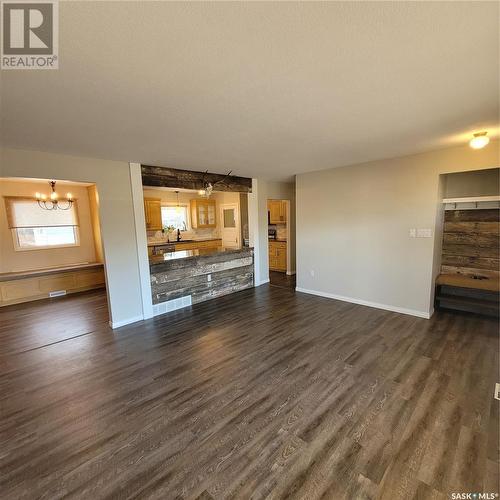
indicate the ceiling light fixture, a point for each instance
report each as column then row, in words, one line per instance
column 208, row 187
column 479, row 140
column 53, row 203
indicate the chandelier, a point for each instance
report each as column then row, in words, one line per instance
column 208, row 187
column 53, row 202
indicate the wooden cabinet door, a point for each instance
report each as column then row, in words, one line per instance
column 203, row 213
column 281, row 259
column 277, row 256
column 277, row 211
column 211, row 214
column 152, row 212
column 283, row 211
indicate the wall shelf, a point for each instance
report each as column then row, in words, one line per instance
column 471, row 199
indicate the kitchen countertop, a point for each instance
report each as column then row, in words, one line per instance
column 157, row 260
column 161, row 243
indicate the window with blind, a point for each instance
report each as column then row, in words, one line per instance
column 34, row 228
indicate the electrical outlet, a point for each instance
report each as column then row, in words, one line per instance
column 312, row 273
column 413, row 233
column 209, row 277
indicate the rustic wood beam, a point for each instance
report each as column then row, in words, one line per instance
column 189, row 179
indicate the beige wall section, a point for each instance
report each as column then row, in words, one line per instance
column 13, row 260
column 286, row 191
column 96, row 223
column 353, row 225
column 116, row 216
column 475, row 183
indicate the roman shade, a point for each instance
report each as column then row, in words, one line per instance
column 25, row 212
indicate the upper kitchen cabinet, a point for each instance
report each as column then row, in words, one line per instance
column 277, row 211
column 152, row 212
column 203, row 213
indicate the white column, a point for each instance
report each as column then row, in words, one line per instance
column 141, row 239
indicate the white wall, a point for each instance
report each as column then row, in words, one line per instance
column 353, row 224
column 116, row 216
column 13, row 260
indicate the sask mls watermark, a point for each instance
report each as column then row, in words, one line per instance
column 30, row 34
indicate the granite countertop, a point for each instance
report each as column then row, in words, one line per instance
column 155, row 260
column 161, row 243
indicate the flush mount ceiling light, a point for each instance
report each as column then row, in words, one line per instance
column 479, row 140
column 53, row 202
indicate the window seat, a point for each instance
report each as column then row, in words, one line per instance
column 25, row 286
column 15, row 275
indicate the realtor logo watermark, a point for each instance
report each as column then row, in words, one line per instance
column 30, row 34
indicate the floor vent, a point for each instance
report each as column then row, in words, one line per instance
column 497, row 391
column 57, row 293
column 171, row 305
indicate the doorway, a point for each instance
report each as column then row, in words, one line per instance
column 280, row 243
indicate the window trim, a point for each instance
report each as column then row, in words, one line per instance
column 19, row 248
column 188, row 213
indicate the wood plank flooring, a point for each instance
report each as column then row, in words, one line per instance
column 266, row 393
column 282, row 280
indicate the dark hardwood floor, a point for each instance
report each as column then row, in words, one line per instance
column 266, row 393
column 282, row 280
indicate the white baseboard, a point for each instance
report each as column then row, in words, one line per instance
column 263, row 282
column 290, row 273
column 123, row 322
column 386, row 307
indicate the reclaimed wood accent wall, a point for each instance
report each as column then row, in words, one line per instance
column 188, row 179
column 204, row 277
column 471, row 243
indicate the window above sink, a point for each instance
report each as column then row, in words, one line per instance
column 176, row 216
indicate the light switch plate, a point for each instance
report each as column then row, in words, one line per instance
column 424, row 233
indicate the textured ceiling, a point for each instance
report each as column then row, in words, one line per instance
column 263, row 89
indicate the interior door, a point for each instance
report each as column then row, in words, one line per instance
column 230, row 225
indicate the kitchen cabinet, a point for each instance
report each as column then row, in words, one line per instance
column 277, row 211
column 277, row 256
column 152, row 212
column 203, row 213
column 194, row 245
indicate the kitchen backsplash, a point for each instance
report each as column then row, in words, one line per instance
column 193, row 234
column 280, row 231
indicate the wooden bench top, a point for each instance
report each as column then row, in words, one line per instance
column 18, row 275
column 491, row 285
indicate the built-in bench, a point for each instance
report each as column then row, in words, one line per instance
column 464, row 293
column 25, row 286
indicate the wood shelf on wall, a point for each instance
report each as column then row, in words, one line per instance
column 471, row 199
